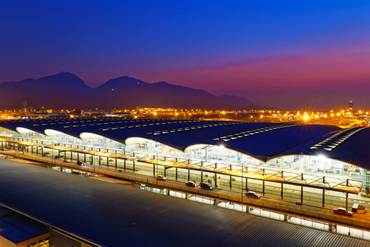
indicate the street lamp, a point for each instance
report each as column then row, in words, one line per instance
column 94, row 158
column 241, row 191
column 52, row 151
column 156, row 144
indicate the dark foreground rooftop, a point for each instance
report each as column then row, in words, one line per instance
column 105, row 212
column 18, row 228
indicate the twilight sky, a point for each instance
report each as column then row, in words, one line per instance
column 290, row 54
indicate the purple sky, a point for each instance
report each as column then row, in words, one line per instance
column 287, row 54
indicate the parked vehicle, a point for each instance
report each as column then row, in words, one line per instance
column 206, row 186
column 252, row 194
column 342, row 211
column 80, row 163
column 67, row 161
column 191, row 184
column 160, row 177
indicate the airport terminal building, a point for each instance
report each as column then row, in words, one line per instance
column 269, row 158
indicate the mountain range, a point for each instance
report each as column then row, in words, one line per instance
column 66, row 90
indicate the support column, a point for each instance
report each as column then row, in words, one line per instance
column 124, row 164
column 99, row 160
column 246, row 184
column 285, row 217
column 84, row 158
column 201, row 176
column 347, row 200
column 107, row 161
column 305, row 163
column 323, row 198
column 331, row 227
column 230, row 183
column 188, row 174
column 281, row 164
column 206, row 154
column 78, row 155
column 216, row 180
column 176, row 173
column 263, row 187
column 164, row 172
column 133, row 165
column 215, row 202
column 115, row 163
column 153, row 169
column 301, row 194
column 282, row 190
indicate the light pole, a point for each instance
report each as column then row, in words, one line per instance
column 157, row 159
column 52, row 151
column 241, row 191
column 94, row 158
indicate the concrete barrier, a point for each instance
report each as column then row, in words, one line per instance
column 213, row 194
column 223, row 196
column 269, row 205
column 310, row 213
column 282, row 208
column 184, row 188
column 344, row 220
column 259, row 203
column 361, row 224
column 248, row 201
column 193, row 190
column 327, row 217
column 203, row 192
column 176, row 187
column 296, row 210
column 234, row 198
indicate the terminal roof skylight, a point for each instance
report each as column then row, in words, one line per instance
column 192, row 127
column 250, row 132
column 335, row 140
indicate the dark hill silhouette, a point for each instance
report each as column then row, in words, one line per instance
column 62, row 90
column 66, row 90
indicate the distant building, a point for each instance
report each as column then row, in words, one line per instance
column 350, row 105
column 24, row 104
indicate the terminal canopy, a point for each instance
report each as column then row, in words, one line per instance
column 263, row 141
